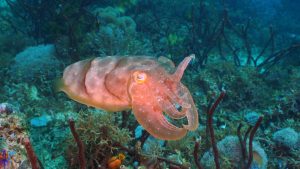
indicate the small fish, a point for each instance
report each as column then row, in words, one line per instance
column 116, row 161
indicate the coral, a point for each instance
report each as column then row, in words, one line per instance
column 184, row 144
column 12, row 133
column 99, row 132
column 31, row 155
column 20, row 93
column 116, row 35
column 231, row 154
column 47, row 143
column 286, row 137
column 153, row 147
column 33, row 62
column 34, row 101
column 80, row 145
column 112, row 16
column 179, row 158
column 251, row 117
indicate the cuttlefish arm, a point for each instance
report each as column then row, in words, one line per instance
column 184, row 96
column 191, row 114
column 171, row 109
column 149, row 114
column 153, row 92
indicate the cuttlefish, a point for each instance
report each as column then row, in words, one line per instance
column 147, row 85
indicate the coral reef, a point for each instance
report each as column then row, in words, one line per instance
column 99, row 133
column 250, row 49
column 116, row 35
column 12, row 133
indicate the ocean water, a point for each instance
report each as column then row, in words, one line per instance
column 149, row 84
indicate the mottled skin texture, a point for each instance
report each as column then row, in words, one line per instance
column 142, row 84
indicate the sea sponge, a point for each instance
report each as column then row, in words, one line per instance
column 116, row 35
column 34, row 62
column 231, row 155
column 287, row 138
column 251, row 118
column 112, row 17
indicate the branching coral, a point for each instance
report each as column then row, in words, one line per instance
column 103, row 138
column 98, row 132
column 31, row 155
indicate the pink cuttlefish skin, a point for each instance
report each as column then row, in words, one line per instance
column 144, row 84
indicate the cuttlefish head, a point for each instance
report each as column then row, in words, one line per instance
column 154, row 92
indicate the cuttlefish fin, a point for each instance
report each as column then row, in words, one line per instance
column 167, row 64
column 150, row 115
column 58, row 85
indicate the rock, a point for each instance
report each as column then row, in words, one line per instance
column 41, row 121
column 138, row 131
column 287, row 138
column 251, row 118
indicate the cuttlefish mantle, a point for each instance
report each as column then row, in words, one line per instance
column 146, row 85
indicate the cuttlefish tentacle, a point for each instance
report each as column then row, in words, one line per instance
column 171, row 110
column 176, row 77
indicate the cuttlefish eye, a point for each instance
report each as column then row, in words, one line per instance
column 139, row 77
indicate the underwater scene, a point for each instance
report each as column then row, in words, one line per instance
column 149, row 84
